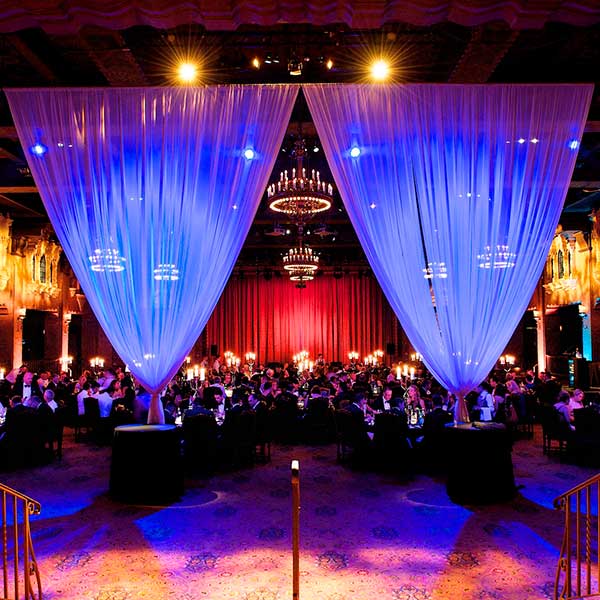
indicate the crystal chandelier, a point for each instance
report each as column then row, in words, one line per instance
column 499, row 257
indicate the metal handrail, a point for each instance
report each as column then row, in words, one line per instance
column 578, row 569
column 18, row 507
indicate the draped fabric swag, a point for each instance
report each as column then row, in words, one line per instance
column 276, row 320
column 151, row 193
column 455, row 193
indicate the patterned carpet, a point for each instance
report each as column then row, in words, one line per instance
column 363, row 535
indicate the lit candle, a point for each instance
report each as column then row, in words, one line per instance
column 412, row 372
column 405, row 371
column 196, row 370
column 398, row 372
column 2, row 372
column 190, row 374
column 310, row 366
column 228, row 362
column 202, row 373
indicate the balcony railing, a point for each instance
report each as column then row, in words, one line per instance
column 20, row 575
column 578, row 570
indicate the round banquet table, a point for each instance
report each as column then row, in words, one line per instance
column 480, row 468
column 146, row 464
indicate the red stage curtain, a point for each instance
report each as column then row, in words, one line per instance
column 276, row 320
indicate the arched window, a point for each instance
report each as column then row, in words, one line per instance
column 43, row 269
column 561, row 264
column 33, row 268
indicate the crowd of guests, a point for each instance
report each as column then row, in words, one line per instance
column 294, row 405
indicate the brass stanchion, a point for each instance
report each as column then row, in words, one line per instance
column 296, row 529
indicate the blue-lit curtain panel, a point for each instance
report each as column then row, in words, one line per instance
column 151, row 193
column 455, row 193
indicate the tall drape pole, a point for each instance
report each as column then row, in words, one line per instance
column 156, row 414
column 296, row 529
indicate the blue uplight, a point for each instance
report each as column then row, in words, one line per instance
column 38, row 149
column 355, row 152
column 249, row 154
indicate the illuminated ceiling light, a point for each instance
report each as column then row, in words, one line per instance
column 380, row 70
column 499, row 258
column 574, row 144
column 329, row 64
column 187, row 72
column 268, row 59
column 355, row 152
column 256, row 63
column 38, row 149
column 276, row 59
column 249, row 154
column 166, row 272
column 107, row 260
column 316, row 148
column 521, row 141
column 300, row 196
column 372, row 205
column 534, row 141
column 295, row 67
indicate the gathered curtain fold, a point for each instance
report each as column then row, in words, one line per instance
column 151, row 192
column 455, row 192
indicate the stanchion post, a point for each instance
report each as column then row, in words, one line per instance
column 296, row 528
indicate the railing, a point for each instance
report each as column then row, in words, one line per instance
column 578, row 570
column 17, row 547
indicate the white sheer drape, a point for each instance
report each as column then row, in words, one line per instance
column 455, row 193
column 151, row 193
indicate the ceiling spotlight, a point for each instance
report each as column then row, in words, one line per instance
column 295, row 67
column 187, row 72
column 316, row 148
column 249, row 154
column 38, row 149
column 355, row 152
column 329, row 64
column 276, row 59
column 380, row 70
column 268, row 59
column 256, row 63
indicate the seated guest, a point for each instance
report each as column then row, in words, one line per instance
column 32, row 402
column 382, row 403
column 575, row 402
column 84, row 393
column 435, row 421
column 197, row 408
column 562, row 407
column 49, row 400
column 105, row 402
column 485, row 402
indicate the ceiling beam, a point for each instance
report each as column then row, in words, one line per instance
column 32, row 58
column 111, row 55
column 25, row 189
column 486, row 48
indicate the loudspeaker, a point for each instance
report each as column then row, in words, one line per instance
column 214, row 350
column 390, row 348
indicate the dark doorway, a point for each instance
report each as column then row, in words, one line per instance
column 34, row 332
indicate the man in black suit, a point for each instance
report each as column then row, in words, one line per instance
column 382, row 403
column 26, row 388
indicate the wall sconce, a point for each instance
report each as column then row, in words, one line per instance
column 21, row 314
column 67, row 317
